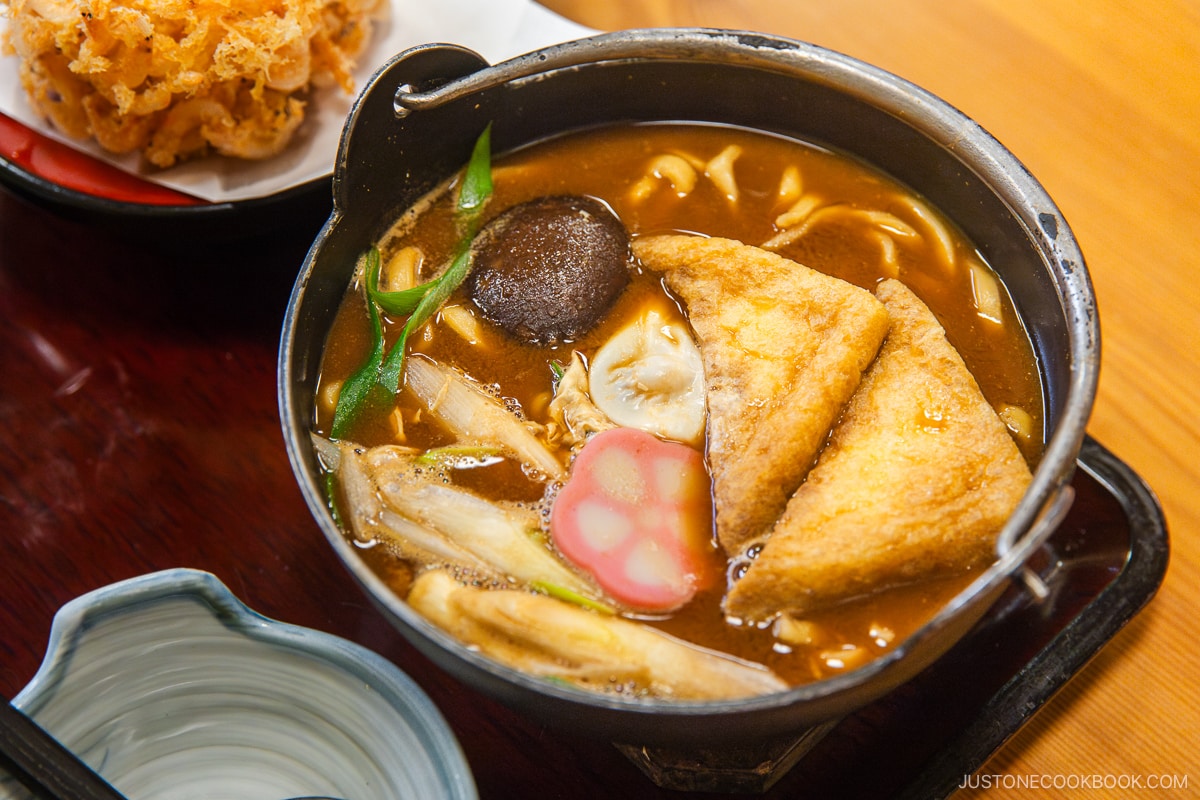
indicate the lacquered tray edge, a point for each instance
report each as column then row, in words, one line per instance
column 1019, row 699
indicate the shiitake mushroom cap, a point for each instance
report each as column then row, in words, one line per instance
column 548, row 269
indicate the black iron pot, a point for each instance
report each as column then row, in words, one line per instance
column 414, row 125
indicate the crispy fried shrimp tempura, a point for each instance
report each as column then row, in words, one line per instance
column 175, row 79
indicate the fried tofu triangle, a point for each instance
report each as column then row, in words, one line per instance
column 917, row 480
column 784, row 348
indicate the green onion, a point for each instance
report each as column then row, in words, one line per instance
column 477, row 183
column 421, row 302
column 439, row 455
column 393, row 365
column 335, row 509
column 403, row 302
column 570, row 596
column 358, row 387
column 472, row 196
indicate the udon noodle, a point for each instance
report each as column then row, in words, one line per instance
column 675, row 471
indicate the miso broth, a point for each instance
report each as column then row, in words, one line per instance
column 816, row 207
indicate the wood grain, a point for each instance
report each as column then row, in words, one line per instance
column 138, row 427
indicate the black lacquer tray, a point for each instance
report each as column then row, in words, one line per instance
column 1102, row 565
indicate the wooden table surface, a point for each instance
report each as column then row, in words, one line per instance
column 138, row 426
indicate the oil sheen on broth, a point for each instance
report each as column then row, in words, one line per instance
column 810, row 205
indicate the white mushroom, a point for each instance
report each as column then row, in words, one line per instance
column 650, row 376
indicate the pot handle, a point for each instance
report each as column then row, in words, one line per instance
column 695, row 43
column 1046, row 522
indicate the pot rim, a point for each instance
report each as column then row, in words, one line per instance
column 1048, row 496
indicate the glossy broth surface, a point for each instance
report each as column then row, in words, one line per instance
column 771, row 176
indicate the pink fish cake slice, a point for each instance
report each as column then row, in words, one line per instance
column 636, row 514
